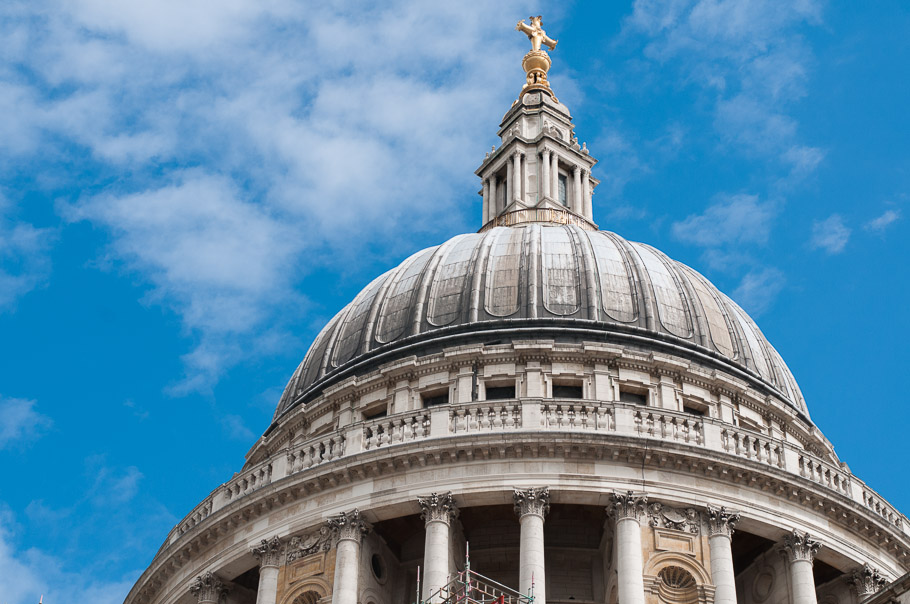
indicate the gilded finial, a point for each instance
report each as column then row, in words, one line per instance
column 537, row 62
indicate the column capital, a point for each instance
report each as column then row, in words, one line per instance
column 268, row 552
column 438, row 507
column 627, row 505
column 348, row 525
column 208, row 587
column 535, row 500
column 720, row 521
column 799, row 546
column 576, row 170
column 866, row 581
column 545, row 152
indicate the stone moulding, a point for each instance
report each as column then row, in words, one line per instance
column 523, row 444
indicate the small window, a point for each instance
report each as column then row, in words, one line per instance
column 435, row 398
column 563, row 186
column 636, row 398
column 567, row 391
column 693, row 410
column 376, row 412
column 500, row 392
column 750, row 425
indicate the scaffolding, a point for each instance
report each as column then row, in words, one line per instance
column 470, row 587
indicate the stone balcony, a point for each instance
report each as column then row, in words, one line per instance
column 570, row 427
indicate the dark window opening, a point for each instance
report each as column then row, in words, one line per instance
column 376, row 413
column 563, row 185
column 500, row 392
column 567, row 391
column 633, row 397
column 694, row 410
column 437, row 398
column 376, row 565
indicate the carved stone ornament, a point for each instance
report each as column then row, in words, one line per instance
column 348, row 525
column 438, row 507
column 208, row 588
column 867, row 580
column 302, row 546
column 680, row 519
column 627, row 505
column 268, row 552
column 532, row 501
column 799, row 546
column 720, row 521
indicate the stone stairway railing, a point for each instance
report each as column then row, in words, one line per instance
column 544, row 415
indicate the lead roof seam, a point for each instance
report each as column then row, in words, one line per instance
column 583, row 242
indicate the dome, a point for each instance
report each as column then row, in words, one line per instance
column 559, row 281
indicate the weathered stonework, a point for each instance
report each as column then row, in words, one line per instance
column 348, row 526
column 534, row 501
column 720, row 521
column 268, row 552
column 208, row 588
column 800, row 546
column 628, row 505
column 439, row 507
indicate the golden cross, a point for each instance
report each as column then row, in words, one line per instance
column 536, row 34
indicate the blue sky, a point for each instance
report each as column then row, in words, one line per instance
column 187, row 195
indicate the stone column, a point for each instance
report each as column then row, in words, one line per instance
column 545, row 174
column 348, row 530
column 486, row 200
column 268, row 552
column 800, row 551
column 586, row 194
column 208, row 589
column 720, row 533
column 577, row 203
column 516, row 176
column 532, row 505
column 509, row 185
column 866, row 582
column 494, row 198
column 438, row 511
column 627, row 510
column 554, row 177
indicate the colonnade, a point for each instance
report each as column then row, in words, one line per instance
column 579, row 201
column 531, row 505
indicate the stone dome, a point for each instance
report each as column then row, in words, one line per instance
column 556, row 281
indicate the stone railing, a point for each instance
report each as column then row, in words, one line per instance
column 314, row 452
column 249, row 481
column 485, row 416
column 546, row 415
column 750, row 445
column 581, row 415
column 399, row 428
column 874, row 502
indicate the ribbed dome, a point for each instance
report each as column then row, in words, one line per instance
column 549, row 280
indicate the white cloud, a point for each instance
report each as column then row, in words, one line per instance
column 24, row 256
column 758, row 290
column 20, row 422
column 749, row 55
column 830, row 234
column 734, row 219
column 880, row 223
column 314, row 129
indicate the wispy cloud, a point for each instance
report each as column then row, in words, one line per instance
column 313, row 131
column 737, row 219
column 830, row 235
column 20, row 423
column 24, row 255
column 758, row 290
column 880, row 223
column 749, row 57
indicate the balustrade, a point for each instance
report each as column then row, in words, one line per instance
column 396, row 429
column 314, row 452
column 753, row 446
column 823, row 473
column 577, row 416
column 670, row 426
column 249, row 481
column 882, row 508
column 485, row 416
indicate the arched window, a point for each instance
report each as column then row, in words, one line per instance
column 307, row 597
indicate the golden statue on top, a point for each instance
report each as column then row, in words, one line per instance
column 537, row 62
column 536, row 33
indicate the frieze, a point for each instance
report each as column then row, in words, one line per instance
column 301, row 546
column 680, row 519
